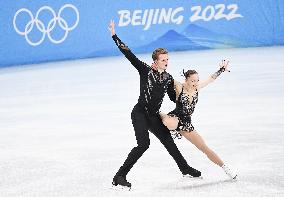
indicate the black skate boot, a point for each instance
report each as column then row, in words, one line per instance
column 121, row 182
column 192, row 173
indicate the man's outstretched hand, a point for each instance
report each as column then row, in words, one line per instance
column 111, row 27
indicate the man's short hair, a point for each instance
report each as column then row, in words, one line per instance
column 157, row 52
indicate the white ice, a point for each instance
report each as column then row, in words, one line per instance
column 65, row 127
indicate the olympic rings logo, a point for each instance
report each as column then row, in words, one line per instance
column 46, row 30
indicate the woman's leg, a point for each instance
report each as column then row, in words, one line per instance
column 170, row 122
column 197, row 140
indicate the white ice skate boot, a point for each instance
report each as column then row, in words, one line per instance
column 231, row 174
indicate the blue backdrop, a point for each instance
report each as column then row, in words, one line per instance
column 39, row 31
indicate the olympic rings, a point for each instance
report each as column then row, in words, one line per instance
column 46, row 29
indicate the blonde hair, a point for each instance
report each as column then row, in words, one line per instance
column 157, row 52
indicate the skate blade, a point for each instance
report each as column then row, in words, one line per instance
column 235, row 178
column 120, row 188
column 192, row 177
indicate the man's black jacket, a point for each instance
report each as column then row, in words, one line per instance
column 153, row 85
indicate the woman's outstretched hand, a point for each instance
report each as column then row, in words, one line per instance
column 224, row 64
column 111, row 27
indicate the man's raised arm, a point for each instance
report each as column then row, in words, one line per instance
column 138, row 64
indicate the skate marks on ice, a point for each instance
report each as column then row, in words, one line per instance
column 206, row 184
column 187, row 183
column 120, row 188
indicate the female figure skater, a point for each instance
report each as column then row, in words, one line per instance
column 178, row 121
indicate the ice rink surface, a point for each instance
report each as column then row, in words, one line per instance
column 65, row 128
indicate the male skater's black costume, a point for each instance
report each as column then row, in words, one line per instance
column 145, row 116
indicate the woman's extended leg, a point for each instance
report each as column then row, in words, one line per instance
column 170, row 122
column 197, row 140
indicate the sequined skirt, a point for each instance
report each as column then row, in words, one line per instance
column 183, row 125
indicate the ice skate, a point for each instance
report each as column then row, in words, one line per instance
column 192, row 173
column 120, row 183
column 229, row 172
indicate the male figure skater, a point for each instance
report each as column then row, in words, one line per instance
column 154, row 83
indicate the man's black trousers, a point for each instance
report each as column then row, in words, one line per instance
column 142, row 123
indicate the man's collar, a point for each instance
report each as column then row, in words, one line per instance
column 156, row 71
